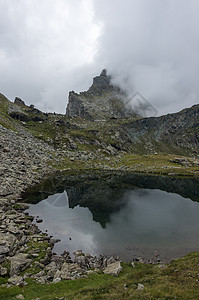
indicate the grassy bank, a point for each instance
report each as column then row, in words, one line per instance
column 177, row 280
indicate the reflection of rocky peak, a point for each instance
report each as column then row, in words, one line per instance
column 103, row 194
column 102, row 101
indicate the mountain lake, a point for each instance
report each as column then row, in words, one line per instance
column 128, row 215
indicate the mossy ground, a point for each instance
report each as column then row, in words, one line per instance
column 161, row 164
column 177, row 280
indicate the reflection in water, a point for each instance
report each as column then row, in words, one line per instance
column 138, row 222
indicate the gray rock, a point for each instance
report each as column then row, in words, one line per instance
column 20, row 296
column 82, row 261
column 4, row 250
column 19, row 263
column 113, row 268
column 69, row 271
column 111, row 260
column 2, row 258
column 140, row 286
column 15, row 280
column 51, row 269
column 3, row 271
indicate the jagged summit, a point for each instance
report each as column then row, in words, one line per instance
column 101, row 83
column 104, row 72
column 102, row 101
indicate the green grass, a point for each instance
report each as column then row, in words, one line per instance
column 152, row 164
column 177, row 280
column 158, row 164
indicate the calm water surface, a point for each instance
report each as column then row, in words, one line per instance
column 129, row 221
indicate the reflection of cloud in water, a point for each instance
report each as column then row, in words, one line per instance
column 150, row 219
column 63, row 222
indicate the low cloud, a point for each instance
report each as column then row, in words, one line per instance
column 152, row 47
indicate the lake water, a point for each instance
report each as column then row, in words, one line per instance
column 121, row 215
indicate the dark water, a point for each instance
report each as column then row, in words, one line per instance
column 127, row 215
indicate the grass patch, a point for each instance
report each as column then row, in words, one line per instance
column 158, row 164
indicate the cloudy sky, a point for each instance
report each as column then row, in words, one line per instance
column 48, row 48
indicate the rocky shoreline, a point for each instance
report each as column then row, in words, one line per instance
column 24, row 251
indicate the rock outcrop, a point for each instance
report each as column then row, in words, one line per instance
column 19, row 101
column 102, row 101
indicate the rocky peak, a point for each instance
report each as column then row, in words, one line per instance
column 101, row 83
column 18, row 101
column 104, row 72
column 101, row 101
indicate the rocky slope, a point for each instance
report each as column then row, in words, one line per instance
column 24, row 252
column 172, row 133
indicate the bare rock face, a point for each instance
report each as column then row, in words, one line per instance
column 102, row 101
column 77, row 107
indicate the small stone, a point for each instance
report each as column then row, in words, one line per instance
column 34, row 255
column 77, row 252
column 3, row 271
column 39, row 220
column 57, row 279
column 2, row 258
column 111, row 260
column 15, row 280
column 69, row 271
column 4, row 250
column 140, row 286
column 20, row 296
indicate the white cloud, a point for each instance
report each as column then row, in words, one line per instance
column 48, row 48
column 42, row 43
column 152, row 46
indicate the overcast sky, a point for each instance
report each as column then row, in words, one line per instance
column 48, row 48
